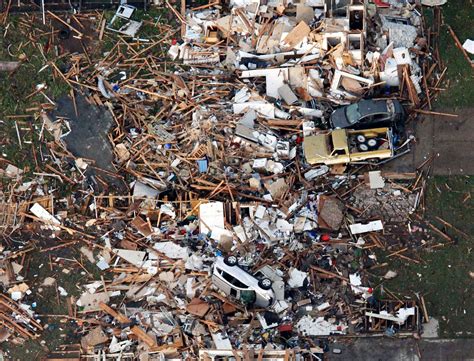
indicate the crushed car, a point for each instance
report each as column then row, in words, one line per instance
column 234, row 281
column 341, row 146
column 370, row 113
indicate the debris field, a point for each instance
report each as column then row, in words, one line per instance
column 220, row 177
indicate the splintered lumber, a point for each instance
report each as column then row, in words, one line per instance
column 451, row 226
column 460, row 47
column 412, row 94
column 437, row 230
column 287, row 122
column 423, row 307
column 376, row 240
column 427, row 89
column 429, row 112
column 183, row 16
column 10, row 321
column 175, row 12
column 399, row 176
column 143, row 336
column 147, row 92
column 322, row 270
column 65, row 23
column 117, row 315
column 397, row 252
column 102, row 29
column 407, row 258
column 67, row 244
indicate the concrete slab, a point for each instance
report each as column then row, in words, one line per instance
column 88, row 137
column 89, row 129
column 375, row 349
column 430, row 329
column 387, row 349
column 449, row 139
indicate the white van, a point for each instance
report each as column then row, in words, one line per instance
column 235, row 282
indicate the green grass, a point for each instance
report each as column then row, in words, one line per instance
column 23, row 81
column 17, row 86
column 459, row 14
column 59, row 331
column 444, row 277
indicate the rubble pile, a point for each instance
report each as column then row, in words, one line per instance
column 218, row 225
column 387, row 203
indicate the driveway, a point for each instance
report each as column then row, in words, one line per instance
column 386, row 349
column 449, row 139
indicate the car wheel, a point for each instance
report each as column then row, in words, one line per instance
column 372, row 142
column 363, row 147
column 360, row 138
column 265, row 283
column 230, row 261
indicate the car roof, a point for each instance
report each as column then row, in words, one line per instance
column 339, row 139
column 369, row 106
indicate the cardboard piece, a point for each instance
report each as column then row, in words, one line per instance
column 197, row 307
column 296, row 36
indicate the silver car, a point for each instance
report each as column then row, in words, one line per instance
column 235, row 282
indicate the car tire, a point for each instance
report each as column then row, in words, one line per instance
column 360, row 138
column 363, row 147
column 265, row 283
column 372, row 142
column 231, row 261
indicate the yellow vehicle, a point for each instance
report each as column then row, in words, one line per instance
column 341, row 146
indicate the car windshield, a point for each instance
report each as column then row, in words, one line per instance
column 352, row 113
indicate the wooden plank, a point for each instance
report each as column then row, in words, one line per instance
column 425, row 311
column 459, row 46
column 322, row 270
column 117, row 315
column 399, row 176
column 65, row 23
column 277, row 122
column 143, row 336
column 398, row 252
column 296, row 35
column 451, row 226
column 102, row 29
column 429, row 112
column 183, row 14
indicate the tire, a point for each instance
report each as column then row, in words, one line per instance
column 360, row 138
column 230, row 261
column 372, row 142
column 363, row 147
column 265, row 283
column 64, row 34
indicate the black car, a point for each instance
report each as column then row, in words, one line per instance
column 369, row 113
